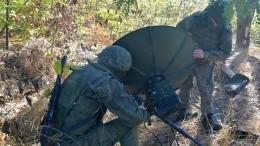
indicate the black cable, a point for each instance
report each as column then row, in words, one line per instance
column 149, row 122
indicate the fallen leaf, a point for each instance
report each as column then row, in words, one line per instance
column 2, row 136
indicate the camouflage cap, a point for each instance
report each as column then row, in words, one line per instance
column 116, row 58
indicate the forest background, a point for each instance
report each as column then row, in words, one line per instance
column 33, row 33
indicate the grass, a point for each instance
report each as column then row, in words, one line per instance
column 242, row 110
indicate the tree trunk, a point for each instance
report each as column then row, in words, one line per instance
column 7, row 27
column 244, row 23
column 243, row 33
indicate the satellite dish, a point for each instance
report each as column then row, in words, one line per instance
column 163, row 51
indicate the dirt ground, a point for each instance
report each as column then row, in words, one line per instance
column 242, row 112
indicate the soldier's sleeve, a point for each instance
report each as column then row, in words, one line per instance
column 112, row 94
column 222, row 52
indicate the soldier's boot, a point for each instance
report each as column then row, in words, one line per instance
column 212, row 121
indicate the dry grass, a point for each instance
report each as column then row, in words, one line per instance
column 242, row 112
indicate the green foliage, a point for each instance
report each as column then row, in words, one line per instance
column 66, row 70
column 229, row 11
column 125, row 5
column 255, row 29
column 2, row 14
column 75, row 67
column 58, row 20
column 156, row 12
column 47, row 93
column 245, row 9
column 57, row 67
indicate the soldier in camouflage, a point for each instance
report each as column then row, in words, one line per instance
column 213, row 35
column 85, row 96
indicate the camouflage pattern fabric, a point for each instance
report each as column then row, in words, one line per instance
column 216, row 43
column 115, row 57
column 217, row 11
column 93, row 89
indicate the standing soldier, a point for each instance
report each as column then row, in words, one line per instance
column 213, row 35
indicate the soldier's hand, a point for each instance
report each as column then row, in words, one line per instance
column 198, row 53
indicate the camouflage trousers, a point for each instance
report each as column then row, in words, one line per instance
column 107, row 134
column 205, row 83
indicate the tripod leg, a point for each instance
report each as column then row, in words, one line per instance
column 176, row 127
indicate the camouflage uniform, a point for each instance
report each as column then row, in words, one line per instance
column 84, row 98
column 216, row 42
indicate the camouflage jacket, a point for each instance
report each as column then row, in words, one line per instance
column 216, row 43
column 89, row 91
